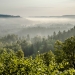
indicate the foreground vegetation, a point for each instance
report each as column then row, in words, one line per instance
column 59, row 62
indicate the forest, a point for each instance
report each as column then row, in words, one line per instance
column 51, row 55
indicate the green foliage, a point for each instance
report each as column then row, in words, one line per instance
column 14, row 63
column 66, row 51
column 48, row 57
column 20, row 54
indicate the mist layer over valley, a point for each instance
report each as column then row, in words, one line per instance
column 35, row 26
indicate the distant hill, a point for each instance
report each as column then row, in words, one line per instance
column 69, row 16
column 8, row 16
column 63, row 16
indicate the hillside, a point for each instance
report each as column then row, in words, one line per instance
column 8, row 16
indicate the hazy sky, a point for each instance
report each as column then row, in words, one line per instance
column 37, row 7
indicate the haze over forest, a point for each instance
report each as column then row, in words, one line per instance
column 39, row 25
column 37, row 37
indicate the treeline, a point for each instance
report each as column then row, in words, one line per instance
column 63, row 35
column 30, row 46
column 59, row 62
column 43, row 29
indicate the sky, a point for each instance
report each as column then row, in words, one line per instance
column 37, row 7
